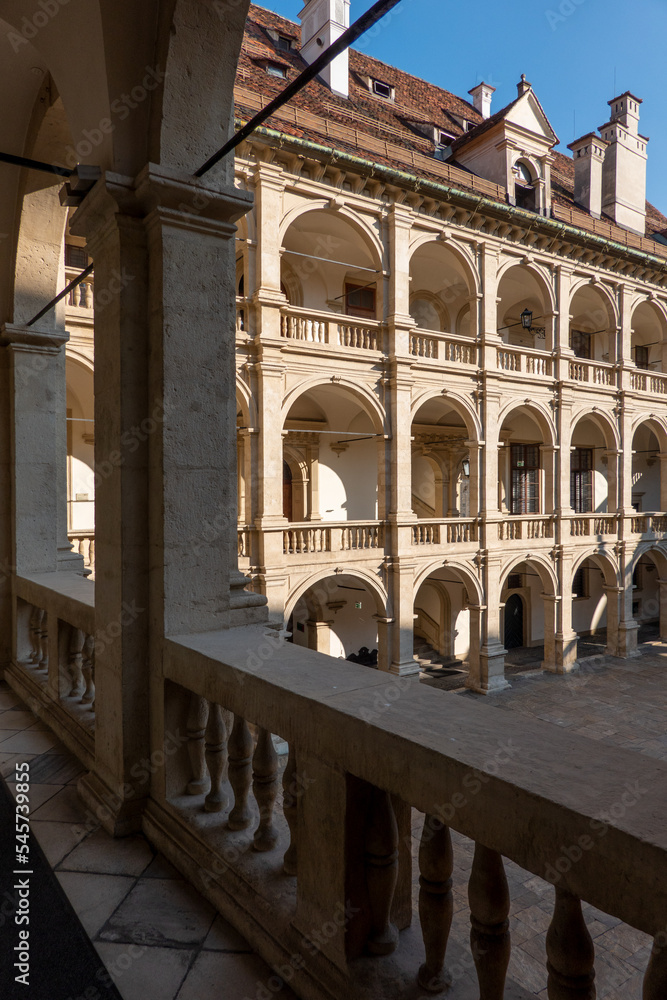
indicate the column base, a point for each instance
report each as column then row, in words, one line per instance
column 404, row 669
column 565, row 654
column 69, row 561
column 491, row 674
column 627, row 640
column 118, row 815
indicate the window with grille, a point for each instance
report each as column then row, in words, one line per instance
column 514, row 581
column 76, row 256
column 580, row 583
column 360, row 301
column 641, row 356
column 525, row 478
column 582, row 343
column 581, row 480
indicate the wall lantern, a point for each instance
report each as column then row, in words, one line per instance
column 465, row 465
column 526, row 319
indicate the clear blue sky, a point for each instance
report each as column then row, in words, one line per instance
column 578, row 54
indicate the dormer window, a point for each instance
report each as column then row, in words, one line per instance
column 275, row 69
column 284, row 43
column 384, row 90
column 444, row 138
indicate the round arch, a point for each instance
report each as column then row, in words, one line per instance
column 655, row 305
column 543, row 418
column 603, row 421
column 365, row 577
column 365, row 398
column 363, row 229
column 657, row 424
column 657, row 551
column 540, row 563
column 465, row 571
column 460, row 253
column 540, row 276
column 459, row 403
column 246, row 403
column 603, row 291
column 605, row 562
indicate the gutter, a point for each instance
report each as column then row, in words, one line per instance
column 445, row 192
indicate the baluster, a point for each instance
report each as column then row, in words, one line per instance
column 570, row 952
column 88, row 668
column 489, row 900
column 265, row 789
column 436, row 902
column 34, row 633
column 196, row 728
column 76, row 641
column 89, row 295
column 216, row 758
column 44, row 641
column 240, row 773
column 381, row 872
column 290, row 797
column 655, row 980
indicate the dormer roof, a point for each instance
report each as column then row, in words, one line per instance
column 525, row 112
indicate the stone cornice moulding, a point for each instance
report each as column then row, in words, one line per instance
column 30, row 337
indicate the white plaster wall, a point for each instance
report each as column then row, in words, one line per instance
column 348, row 482
column 590, row 615
column 81, row 453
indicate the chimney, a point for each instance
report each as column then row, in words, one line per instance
column 523, row 86
column 588, row 153
column 481, row 98
column 322, row 23
column 624, row 169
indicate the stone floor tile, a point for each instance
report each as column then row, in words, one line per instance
column 164, row 911
column 243, row 976
column 144, row 973
column 161, row 868
column 56, row 839
column 37, row 795
column 7, row 697
column 18, row 719
column 63, row 807
column 24, row 742
column 94, row 897
column 8, row 762
column 104, row 854
column 223, row 937
column 56, row 768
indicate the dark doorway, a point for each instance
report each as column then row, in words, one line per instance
column 287, row 491
column 514, row 622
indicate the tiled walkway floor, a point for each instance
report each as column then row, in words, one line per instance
column 158, row 938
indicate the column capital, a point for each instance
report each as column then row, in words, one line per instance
column 31, row 338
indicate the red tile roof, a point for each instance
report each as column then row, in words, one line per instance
column 396, row 133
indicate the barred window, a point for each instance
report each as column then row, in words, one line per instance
column 525, row 478
column 581, row 480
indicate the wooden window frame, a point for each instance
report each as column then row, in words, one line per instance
column 582, row 480
column 525, row 474
column 359, row 311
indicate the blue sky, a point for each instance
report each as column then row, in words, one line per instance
column 578, row 54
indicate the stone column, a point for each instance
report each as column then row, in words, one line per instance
column 551, row 603
column 491, row 473
column 489, row 309
column 627, row 626
column 401, row 575
column 475, row 620
column 663, row 481
column 662, row 598
column 613, row 498
column 270, row 520
column 474, row 454
column 566, row 639
column 625, row 493
column 492, row 652
column 613, row 638
column 313, row 459
column 548, row 459
column 269, row 186
column 319, row 635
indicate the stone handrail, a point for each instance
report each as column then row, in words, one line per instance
column 315, row 327
column 525, row 527
column 649, row 524
column 643, row 381
column 584, row 525
column 443, row 347
column 363, row 749
column 83, row 543
column 515, row 359
column 595, row 373
column 332, row 536
column 449, row 531
column 55, row 654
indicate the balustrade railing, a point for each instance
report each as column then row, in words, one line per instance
column 653, row 382
column 345, row 536
column 452, row 531
column 444, row 348
column 525, row 528
column 241, row 316
column 334, row 850
column 329, row 328
column 594, row 373
column 529, row 362
column 83, row 543
column 649, row 524
column 81, row 297
column 585, row 525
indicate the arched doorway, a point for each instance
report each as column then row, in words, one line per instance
column 514, row 631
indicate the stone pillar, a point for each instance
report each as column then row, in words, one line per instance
column 490, row 458
column 269, row 186
column 475, row 619
column 548, row 459
column 627, row 626
column 401, row 575
column 489, row 310
column 613, row 638
column 474, row 456
column 492, row 652
column 319, row 635
column 551, row 603
column 663, row 481
column 625, row 498
column 625, row 357
column 662, row 598
column 563, row 463
column 613, row 498
column 313, row 459
column 270, row 520
column 566, row 639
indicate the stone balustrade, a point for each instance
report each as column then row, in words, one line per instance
column 451, row 531
column 585, row 525
column 54, row 668
column 649, row 524
column 329, row 536
column 524, row 528
column 516, row 360
column 444, row 348
column 330, row 858
column 81, row 297
column 653, row 382
column 310, row 326
column 593, row 373
column 83, row 543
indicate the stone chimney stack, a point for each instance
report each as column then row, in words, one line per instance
column 588, row 153
column 481, row 98
column 322, row 23
column 624, row 170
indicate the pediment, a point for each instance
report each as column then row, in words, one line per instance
column 527, row 113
